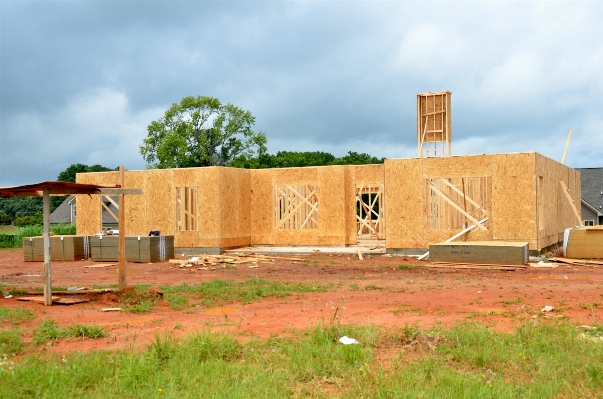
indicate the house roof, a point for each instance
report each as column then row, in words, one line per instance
column 591, row 182
column 63, row 212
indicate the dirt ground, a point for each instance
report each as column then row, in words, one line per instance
column 374, row 290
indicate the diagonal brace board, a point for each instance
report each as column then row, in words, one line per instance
column 454, row 205
column 571, row 202
column 291, row 212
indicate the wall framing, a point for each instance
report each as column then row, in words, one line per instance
column 235, row 207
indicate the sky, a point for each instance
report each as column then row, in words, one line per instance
column 80, row 81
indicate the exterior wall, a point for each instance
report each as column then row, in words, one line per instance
column 235, row 207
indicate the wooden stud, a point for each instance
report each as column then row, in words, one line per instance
column 571, row 202
column 121, row 251
column 569, row 134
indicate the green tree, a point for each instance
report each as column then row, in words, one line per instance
column 200, row 131
column 288, row 159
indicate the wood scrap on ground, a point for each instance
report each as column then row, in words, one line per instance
column 205, row 260
column 578, row 262
column 100, row 265
column 543, row 265
column 359, row 254
column 482, row 266
column 111, row 310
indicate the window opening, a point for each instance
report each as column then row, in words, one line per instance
column 296, row 207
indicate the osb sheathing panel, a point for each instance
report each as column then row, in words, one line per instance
column 189, row 239
column 513, row 212
column 261, row 206
column 136, row 205
column 294, row 176
column 160, row 199
column 235, row 212
column 332, row 204
column 350, row 206
column 369, row 174
column 555, row 210
column 208, row 205
column 295, row 237
column 457, row 166
column 88, row 221
column 405, row 194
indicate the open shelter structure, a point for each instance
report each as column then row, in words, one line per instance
column 45, row 190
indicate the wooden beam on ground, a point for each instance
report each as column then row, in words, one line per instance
column 571, row 202
column 47, row 269
column 121, row 250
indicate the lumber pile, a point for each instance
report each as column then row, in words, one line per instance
column 585, row 243
column 206, row 261
column 480, row 266
column 62, row 248
column 480, row 252
column 147, row 249
column 578, row 262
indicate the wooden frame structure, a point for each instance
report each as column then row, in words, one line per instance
column 495, row 197
column 434, row 124
column 45, row 190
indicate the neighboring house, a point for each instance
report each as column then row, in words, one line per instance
column 591, row 181
column 65, row 213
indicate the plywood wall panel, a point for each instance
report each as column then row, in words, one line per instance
column 350, row 205
column 295, row 176
column 261, row 214
column 405, row 194
column 456, row 166
column 136, row 205
column 513, row 214
column 331, row 201
column 295, row 237
column 88, row 219
column 369, row 173
column 235, row 213
column 160, row 199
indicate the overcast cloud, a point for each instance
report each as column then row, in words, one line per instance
column 81, row 80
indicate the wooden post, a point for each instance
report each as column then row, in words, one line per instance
column 571, row 202
column 47, row 273
column 121, row 251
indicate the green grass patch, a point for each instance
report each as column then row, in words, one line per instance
column 48, row 330
column 15, row 315
column 10, row 342
column 221, row 292
column 469, row 360
column 14, row 238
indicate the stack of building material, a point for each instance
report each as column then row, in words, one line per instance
column 149, row 249
column 138, row 248
column 480, row 252
column 585, row 243
column 62, row 248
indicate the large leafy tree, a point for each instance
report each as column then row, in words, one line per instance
column 201, row 131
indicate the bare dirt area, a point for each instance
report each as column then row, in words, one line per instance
column 380, row 290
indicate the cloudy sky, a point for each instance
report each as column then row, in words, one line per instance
column 81, row 80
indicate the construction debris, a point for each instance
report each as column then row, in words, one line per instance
column 579, row 262
column 359, row 254
column 111, row 310
column 205, row 260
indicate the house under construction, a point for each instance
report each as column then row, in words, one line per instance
column 409, row 203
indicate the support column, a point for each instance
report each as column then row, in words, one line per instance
column 122, row 233
column 47, row 271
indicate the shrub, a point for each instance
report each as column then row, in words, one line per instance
column 5, row 220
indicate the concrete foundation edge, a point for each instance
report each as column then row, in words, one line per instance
column 199, row 251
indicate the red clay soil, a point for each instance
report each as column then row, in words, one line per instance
column 371, row 291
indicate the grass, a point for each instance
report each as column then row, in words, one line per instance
column 15, row 315
column 10, row 342
column 469, row 360
column 223, row 292
column 48, row 330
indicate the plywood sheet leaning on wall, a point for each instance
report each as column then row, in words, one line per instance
column 88, row 220
column 261, row 206
column 585, row 243
column 160, row 201
column 404, row 203
column 235, row 209
column 514, row 198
